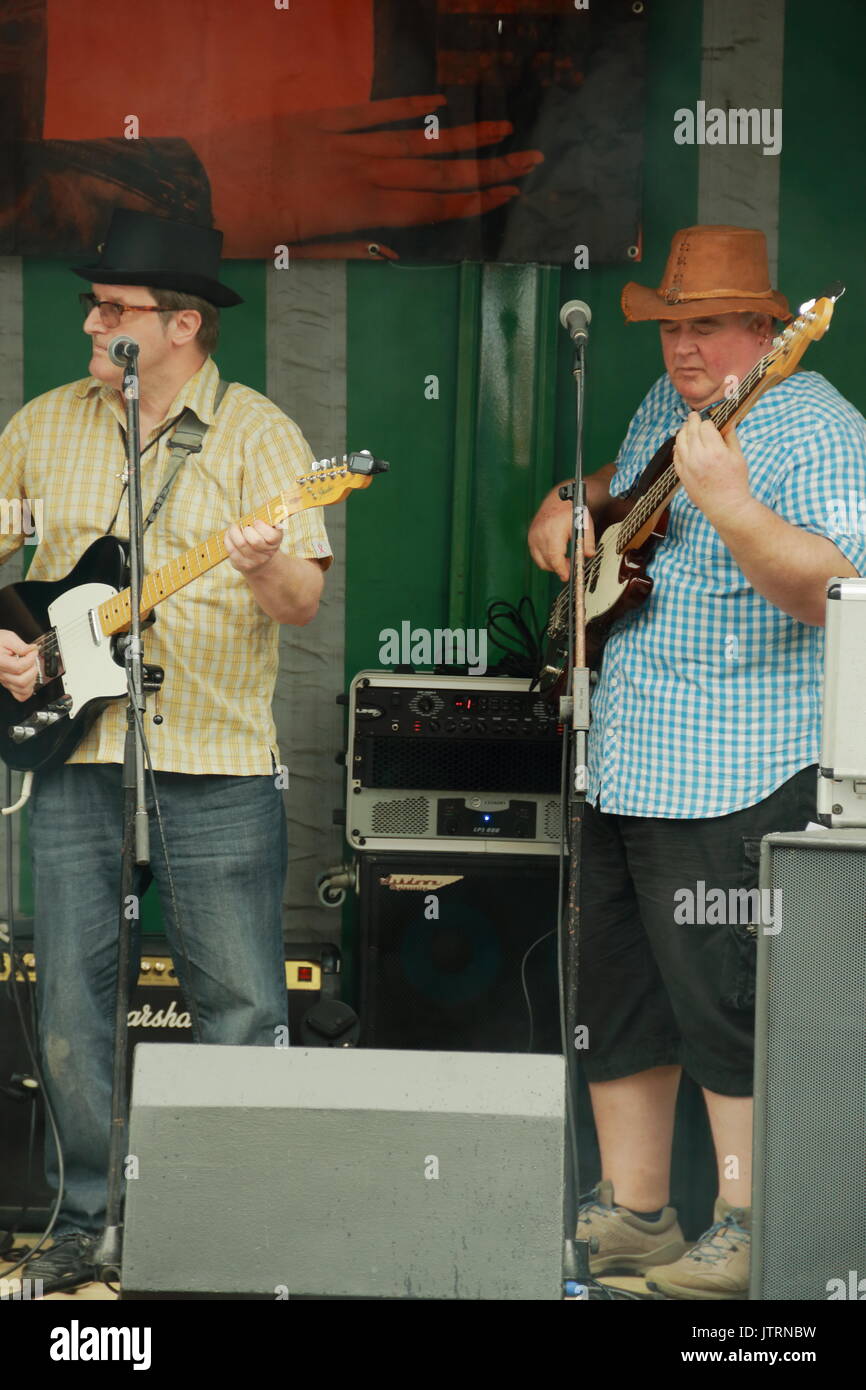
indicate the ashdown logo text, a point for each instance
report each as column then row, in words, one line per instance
column 76, row 1343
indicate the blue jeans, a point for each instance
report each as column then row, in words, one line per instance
column 227, row 847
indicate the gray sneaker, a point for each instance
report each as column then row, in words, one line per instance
column 626, row 1244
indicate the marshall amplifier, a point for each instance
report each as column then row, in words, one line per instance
column 157, row 1013
column 452, row 763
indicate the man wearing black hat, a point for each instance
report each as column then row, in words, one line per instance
column 213, row 742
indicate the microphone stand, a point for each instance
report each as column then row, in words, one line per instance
column 574, row 712
column 136, row 840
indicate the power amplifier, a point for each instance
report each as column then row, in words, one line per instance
column 458, row 763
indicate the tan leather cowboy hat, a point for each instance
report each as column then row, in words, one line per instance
column 710, row 270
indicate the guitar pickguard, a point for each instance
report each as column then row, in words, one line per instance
column 89, row 669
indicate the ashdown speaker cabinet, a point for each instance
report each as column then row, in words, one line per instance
column 809, row 1197
column 443, row 941
column 453, row 763
column 284, row 1172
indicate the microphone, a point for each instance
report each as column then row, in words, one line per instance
column 122, row 350
column 575, row 317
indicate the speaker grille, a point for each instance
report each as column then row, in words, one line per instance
column 552, row 819
column 811, row 1124
column 409, row 817
column 452, row 980
column 472, row 765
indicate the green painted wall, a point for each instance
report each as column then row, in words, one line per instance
column 493, row 334
column 823, row 188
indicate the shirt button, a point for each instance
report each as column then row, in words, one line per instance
column 611, row 733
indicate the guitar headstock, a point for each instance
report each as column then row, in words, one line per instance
column 330, row 480
column 811, row 323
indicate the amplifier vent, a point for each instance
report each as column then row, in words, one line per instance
column 552, row 819
column 409, row 817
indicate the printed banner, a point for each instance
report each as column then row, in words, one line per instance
column 490, row 130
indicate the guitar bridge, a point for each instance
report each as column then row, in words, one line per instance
column 49, row 663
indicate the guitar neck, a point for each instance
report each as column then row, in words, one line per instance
column 115, row 614
column 725, row 415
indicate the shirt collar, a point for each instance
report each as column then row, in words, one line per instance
column 197, row 393
column 683, row 410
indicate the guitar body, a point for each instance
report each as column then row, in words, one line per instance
column 616, row 581
column 84, row 677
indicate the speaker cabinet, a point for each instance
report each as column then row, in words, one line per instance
column 444, row 939
column 280, row 1173
column 809, row 1200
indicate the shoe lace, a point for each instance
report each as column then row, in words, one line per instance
column 719, row 1241
column 588, row 1206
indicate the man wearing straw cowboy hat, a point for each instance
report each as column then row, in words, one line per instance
column 704, row 738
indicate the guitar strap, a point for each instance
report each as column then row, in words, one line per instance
column 186, row 439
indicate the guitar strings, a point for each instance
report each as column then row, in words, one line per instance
column 47, row 643
column 669, row 480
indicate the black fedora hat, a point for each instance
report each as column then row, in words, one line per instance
column 141, row 249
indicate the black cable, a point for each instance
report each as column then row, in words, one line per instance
column 523, row 656
column 526, row 954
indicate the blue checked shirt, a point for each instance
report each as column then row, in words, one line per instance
column 710, row 697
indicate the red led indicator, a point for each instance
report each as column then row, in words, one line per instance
column 305, row 972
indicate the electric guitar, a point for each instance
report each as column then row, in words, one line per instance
column 76, row 622
column 632, row 526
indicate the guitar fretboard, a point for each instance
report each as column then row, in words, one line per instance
column 115, row 614
column 664, row 487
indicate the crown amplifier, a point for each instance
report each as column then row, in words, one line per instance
column 458, row 763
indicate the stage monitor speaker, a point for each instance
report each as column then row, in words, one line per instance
column 284, row 1172
column 443, row 940
column 809, row 1197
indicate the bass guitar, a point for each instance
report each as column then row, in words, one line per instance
column 632, row 526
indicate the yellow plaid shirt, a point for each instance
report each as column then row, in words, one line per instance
column 218, row 648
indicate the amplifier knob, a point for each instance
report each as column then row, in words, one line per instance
column 434, row 725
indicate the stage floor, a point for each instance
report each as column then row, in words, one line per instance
column 101, row 1292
